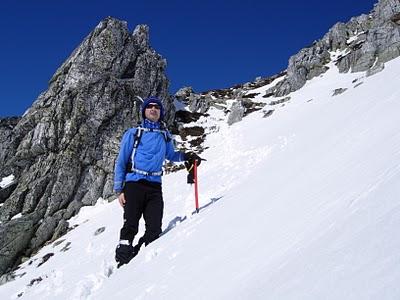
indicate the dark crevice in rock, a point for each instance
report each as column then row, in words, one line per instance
column 6, row 192
column 187, row 117
column 396, row 18
column 130, row 70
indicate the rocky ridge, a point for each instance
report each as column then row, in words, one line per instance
column 365, row 43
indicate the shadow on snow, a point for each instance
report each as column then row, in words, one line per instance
column 179, row 219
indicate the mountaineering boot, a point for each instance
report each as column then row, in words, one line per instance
column 124, row 253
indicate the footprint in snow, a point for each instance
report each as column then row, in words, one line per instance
column 151, row 254
column 108, row 268
column 99, row 230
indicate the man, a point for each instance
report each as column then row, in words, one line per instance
column 137, row 180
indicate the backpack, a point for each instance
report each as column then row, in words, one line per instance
column 136, row 140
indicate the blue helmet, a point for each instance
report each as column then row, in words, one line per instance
column 153, row 99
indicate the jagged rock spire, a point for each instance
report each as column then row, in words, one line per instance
column 62, row 150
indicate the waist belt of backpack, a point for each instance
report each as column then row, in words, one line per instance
column 145, row 173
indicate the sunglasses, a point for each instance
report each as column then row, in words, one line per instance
column 152, row 105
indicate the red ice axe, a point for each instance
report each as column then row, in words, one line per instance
column 196, row 189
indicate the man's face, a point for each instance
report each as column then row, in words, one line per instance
column 152, row 112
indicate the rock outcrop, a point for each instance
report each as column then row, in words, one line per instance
column 236, row 102
column 62, row 151
column 365, row 42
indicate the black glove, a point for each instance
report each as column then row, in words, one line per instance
column 124, row 254
column 191, row 157
column 190, row 168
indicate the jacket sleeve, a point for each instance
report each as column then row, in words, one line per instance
column 122, row 160
column 171, row 154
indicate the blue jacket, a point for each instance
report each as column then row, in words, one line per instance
column 151, row 152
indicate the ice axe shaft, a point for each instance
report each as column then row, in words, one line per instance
column 196, row 189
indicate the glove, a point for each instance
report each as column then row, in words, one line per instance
column 190, row 168
column 124, row 254
column 191, row 157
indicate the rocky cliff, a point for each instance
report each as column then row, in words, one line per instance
column 364, row 43
column 62, row 151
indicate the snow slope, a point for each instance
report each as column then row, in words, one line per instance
column 302, row 204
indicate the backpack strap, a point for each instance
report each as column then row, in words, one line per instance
column 167, row 135
column 136, row 141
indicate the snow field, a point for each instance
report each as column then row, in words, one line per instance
column 302, row 204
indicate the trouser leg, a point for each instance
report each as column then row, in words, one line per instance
column 133, row 209
column 153, row 213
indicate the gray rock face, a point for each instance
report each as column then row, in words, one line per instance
column 236, row 112
column 62, row 151
column 7, row 126
column 14, row 237
column 367, row 41
column 184, row 93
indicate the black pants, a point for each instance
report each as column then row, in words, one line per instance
column 142, row 198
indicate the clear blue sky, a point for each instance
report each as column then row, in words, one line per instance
column 208, row 44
